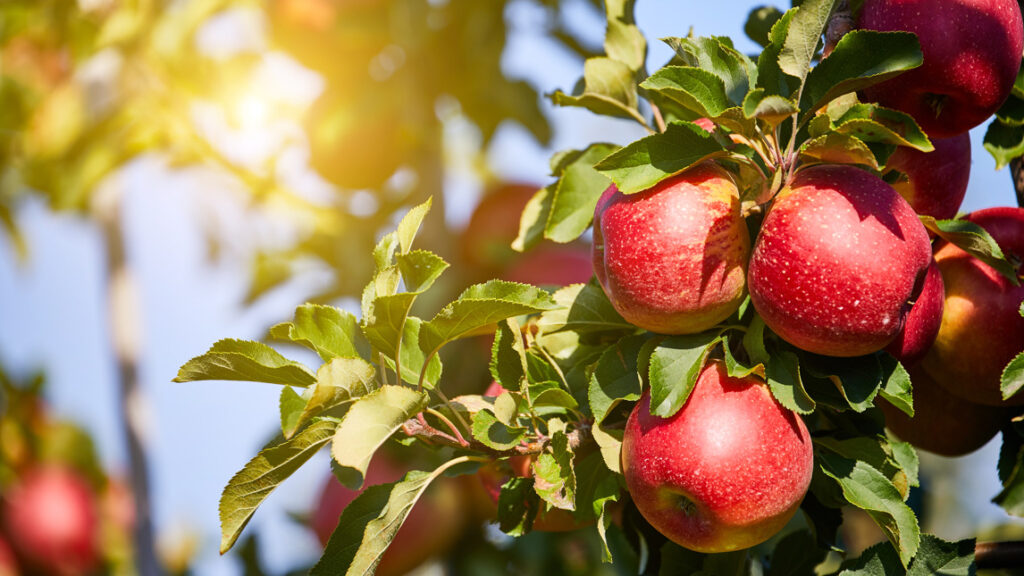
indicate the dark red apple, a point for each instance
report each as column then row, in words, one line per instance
column 8, row 563
column 672, row 259
column 432, row 527
column 937, row 180
column 552, row 266
column 486, row 243
column 922, row 323
column 52, row 519
column 943, row 423
column 838, row 261
column 724, row 473
column 972, row 51
column 982, row 329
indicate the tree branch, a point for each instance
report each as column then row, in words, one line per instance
column 999, row 555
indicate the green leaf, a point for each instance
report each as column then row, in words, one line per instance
column 783, row 374
column 370, row 522
column 609, row 89
column 858, row 379
column 717, row 55
column 837, row 148
column 862, row 58
column 936, row 556
column 873, row 123
column 1011, row 470
column 369, row 422
column 644, row 163
column 420, row 269
column 576, row 195
column 676, row 363
column 492, row 433
column 804, row 36
column 769, row 74
column 247, row 361
column 734, row 367
column 385, row 318
column 865, row 487
column 1011, row 113
column 553, row 477
column 753, row 341
column 616, row 378
column 384, row 251
column 508, row 356
column 771, row 108
column 1013, row 377
column 253, row 483
column 517, row 506
column 974, row 240
column 584, row 308
column 534, row 219
column 1004, row 143
column 410, row 224
column 480, row 306
column 759, row 23
column 338, row 382
column 291, row 405
column 326, row 330
column 878, row 560
column 906, row 459
column 623, row 40
column 896, row 384
column 695, row 89
column 796, row 554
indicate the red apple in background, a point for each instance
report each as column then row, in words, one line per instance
column 972, row 51
column 486, row 242
column 552, row 266
column 943, row 423
column 432, row 527
column 724, row 473
column 982, row 329
column 923, row 320
column 8, row 563
column 52, row 520
column 838, row 260
column 937, row 180
column 672, row 259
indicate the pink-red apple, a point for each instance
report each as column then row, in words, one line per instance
column 972, row 51
column 724, row 473
column 433, row 525
column 52, row 519
column 552, row 266
column 486, row 242
column 8, row 562
column 838, row 261
column 937, row 180
column 943, row 423
column 982, row 329
column 672, row 259
column 923, row 320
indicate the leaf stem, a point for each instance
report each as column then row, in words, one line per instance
column 659, row 120
column 455, row 430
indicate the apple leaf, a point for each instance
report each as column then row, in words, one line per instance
column 873, row 123
column 384, row 251
column 771, row 108
column 291, row 404
column 896, row 384
column 413, row 357
column 479, row 306
column 769, row 74
column 650, row 160
column 623, row 40
column 326, row 330
column 370, row 522
column 1013, row 377
column 517, row 506
column 804, row 36
column 878, row 560
column 796, row 553
column 753, row 341
column 1004, row 143
column 252, row 484
column 596, row 488
column 877, row 452
column 974, row 240
column 492, row 433
column 419, row 269
column 868, row 489
column 609, row 89
column 737, row 369
column 1011, row 469
column 508, row 356
column 576, row 195
column 385, row 318
column 837, row 148
column 247, row 361
column 718, row 56
column 585, row 308
column 553, row 477
column 862, row 58
column 783, row 375
column 616, row 378
column 675, row 364
column 937, row 556
column 369, row 422
column 695, row 89
column 858, row 379
column 410, row 224
column 759, row 23
column 907, row 460
column 338, row 382
column 534, row 219
column 1011, row 113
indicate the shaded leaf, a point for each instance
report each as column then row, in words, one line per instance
column 804, row 36
column 838, row 148
column 783, row 373
column 717, row 55
column 1013, row 377
column 534, row 219
column 974, row 240
column 492, row 433
column 553, row 477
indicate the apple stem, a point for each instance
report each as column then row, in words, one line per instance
column 448, row 423
column 999, row 555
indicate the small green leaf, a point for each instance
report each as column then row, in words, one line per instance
column 623, row 40
column 1013, row 377
column 906, row 459
column 492, row 433
column 338, row 382
column 896, row 384
column 1011, row 113
column 783, row 373
column 737, row 369
column 609, row 89
column 769, row 74
column 369, row 422
column 695, row 89
column 1011, row 470
column 385, row 319
column 759, row 23
column 553, row 477
column 517, row 506
column 718, row 56
column 583, row 308
column 644, row 163
column 873, row 123
column 771, row 108
column 534, row 219
column 838, row 148
column 326, row 330
column 410, row 224
column 384, row 251
column 1004, row 143
column 804, row 36
column 576, row 195
column 862, row 58
column 508, row 356
column 291, row 405
column 936, row 556
column 676, row 363
column 506, row 409
column 974, row 240
column 753, row 341
column 261, row 475
column 420, row 269
column 616, row 378
column 858, row 379
column 878, row 560
column 247, row 361
column 555, row 397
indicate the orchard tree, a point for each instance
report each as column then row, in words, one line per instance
column 763, row 293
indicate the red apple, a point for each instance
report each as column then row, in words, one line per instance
column 972, row 51
column 432, row 527
column 486, row 242
column 923, row 320
column 8, row 563
column 937, row 180
column 724, row 473
column 943, row 423
column 982, row 329
column 552, row 266
column 51, row 516
column 672, row 259
column 839, row 258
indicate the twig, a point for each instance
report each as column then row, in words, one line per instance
column 999, row 555
column 452, row 427
column 659, row 120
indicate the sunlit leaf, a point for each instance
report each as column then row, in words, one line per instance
column 247, row 361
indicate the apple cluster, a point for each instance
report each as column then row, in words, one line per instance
column 838, row 264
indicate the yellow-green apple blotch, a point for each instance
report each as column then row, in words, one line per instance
column 982, row 329
column 724, row 473
column 838, row 261
column 936, row 181
column 672, row 259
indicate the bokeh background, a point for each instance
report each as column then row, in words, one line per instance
column 227, row 234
